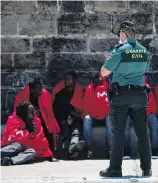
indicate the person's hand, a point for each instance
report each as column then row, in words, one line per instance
column 63, row 122
column 31, row 128
column 70, row 120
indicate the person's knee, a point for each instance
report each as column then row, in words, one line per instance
column 153, row 125
column 87, row 122
column 153, row 122
column 87, row 118
column 30, row 151
column 16, row 144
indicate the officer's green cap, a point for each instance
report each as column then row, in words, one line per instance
column 126, row 25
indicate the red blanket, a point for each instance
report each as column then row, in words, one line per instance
column 16, row 131
column 95, row 101
column 45, row 106
column 151, row 104
column 155, row 91
column 77, row 99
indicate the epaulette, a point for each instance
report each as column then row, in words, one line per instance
column 118, row 45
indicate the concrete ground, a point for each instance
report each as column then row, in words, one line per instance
column 86, row 171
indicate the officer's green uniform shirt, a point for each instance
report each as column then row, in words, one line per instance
column 128, row 62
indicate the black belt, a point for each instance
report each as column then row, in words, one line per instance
column 130, row 88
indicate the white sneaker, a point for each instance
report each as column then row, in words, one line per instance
column 126, row 157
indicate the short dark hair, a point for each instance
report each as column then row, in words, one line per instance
column 35, row 82
column 73, row 74
column 96, row 76
column 130, row 33
column 22, row 110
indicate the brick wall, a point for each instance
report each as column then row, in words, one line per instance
column 47, row 38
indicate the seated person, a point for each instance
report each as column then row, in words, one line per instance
column 96, row 106
column 153, row 122
column 67, row 99
column 152, row 80
column 41, row 100
column 23, row 138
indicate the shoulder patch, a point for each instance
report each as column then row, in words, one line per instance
column 110, row 56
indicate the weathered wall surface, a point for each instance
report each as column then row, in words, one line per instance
column 47, row 38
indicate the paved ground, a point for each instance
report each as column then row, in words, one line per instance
column 75, row 172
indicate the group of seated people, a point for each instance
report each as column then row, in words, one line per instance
column 59, row 125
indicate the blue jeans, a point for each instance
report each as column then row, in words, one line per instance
column 88, row 122
column 153, row 126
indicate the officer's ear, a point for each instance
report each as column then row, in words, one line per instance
column 120, row 33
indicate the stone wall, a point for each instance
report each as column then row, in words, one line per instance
column 47, row 38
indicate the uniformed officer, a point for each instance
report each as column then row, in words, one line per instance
column 128, row 62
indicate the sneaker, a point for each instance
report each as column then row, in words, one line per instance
column 77, row 147
column 89, row 154
column 73, row 155
column 147, row 173
column 6, row 161
column 110, row 173
column 52, row 159
column 154, row 157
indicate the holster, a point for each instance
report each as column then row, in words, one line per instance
column 115, row 89
column 109, row 94
column 112, row 91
